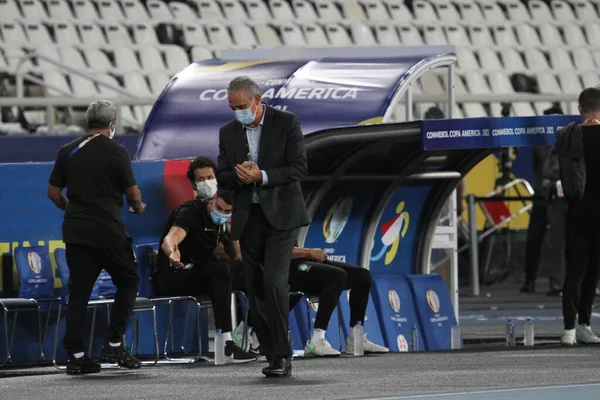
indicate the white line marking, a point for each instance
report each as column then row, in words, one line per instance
column 422, row 396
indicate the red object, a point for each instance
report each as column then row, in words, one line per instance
column 495, row 211
column 385, row 227
column 178, row 188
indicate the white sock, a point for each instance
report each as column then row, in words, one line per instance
column 78, row 355
column 255, row 343
column 227, row 336
column 117, row 344
column 317, row 335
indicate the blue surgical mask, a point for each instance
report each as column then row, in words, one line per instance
column 245, row 117
column 218, row 218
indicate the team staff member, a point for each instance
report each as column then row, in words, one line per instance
column 96, row 172
column 201, row 173
column 185, row 263
column 262, row 158
column 577, row 146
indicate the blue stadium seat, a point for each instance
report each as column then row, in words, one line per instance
column 434, row 310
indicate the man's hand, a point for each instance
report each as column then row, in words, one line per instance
column 248, row 172
column 138, row 208
column 175, row 257
column 318, row 255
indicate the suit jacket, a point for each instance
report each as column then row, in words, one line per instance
column 282, row 155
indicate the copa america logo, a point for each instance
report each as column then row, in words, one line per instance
column 35, row 262
column 336, row 219
column 394, row 300
column 433, row 301
column 402, row 344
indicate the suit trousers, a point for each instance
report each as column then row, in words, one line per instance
column 85, row 264
column 266, row 254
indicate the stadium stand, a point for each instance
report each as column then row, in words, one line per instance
column 138, row 45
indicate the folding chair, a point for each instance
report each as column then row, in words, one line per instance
column 95, row 302
column 146, row 256
column 36, row 284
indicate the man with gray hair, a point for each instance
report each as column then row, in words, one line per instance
column 96, row 172
column 262, row 158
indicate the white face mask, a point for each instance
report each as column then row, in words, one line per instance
column 206, row 188
column 112, row 132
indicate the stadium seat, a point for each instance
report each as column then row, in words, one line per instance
column 176, row 58
column 144, row 34
column 59, row 10
column 446, row 11
column 410, row 36
column 584, row 59
column 424, row 11
column 512, row 60
column 125, row 59
column 560, row 59
column 585, row 10
column 97, row 60
column 257, row 10
column 536, row 60
column 399, row 12
column 72, row 57
column 505, row 36
column 159, row 11
column 194, row 35
column 84, row 11
column 362, row 34
column 10, row 10
column 38, row 35
column 457, row 35
column 469, row 10
column 51, row 55
column 66, row 33
column 592, row 30
column 327, row 11
column 314, row 34
column 83, row 87
column 281, row 10
column 292, row 35
column 489, row 60
column 267, row 36
column 13, row 55
column 376, row 10
column 550, row 35
column 182, row 12
column 434, row 35
column 58, row 82
column 590, row 78
column 562, row 10
column 480, row 36
column 158, row 81
column 233, row 10
column 386, row 35
column 92, row 35
column 337, row 35
column 208, row 10
column 243, row 36
column 151, row 58
column 199, row 53
column 466, row 59
column 491, row 12
column 569, row 82
column 219, row 36
column 540, row 12
column 352, row 10
column 304, row 10
column 517, row 11
column 117, row 35
column 134, row 11
column 527, row 36
column 33, row 10
column 13, row 34
column 110, row 11
column 574, row 35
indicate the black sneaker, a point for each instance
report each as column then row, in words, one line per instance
column 235, row 354
column 82, row 365
column 119, row 355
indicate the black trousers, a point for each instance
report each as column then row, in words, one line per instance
column 327, row 280
column 582, row 239
column 538, row 223
column 266, row 254
column 211, row 279
column 85, row 264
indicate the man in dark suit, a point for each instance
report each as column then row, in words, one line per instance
column 262, row 158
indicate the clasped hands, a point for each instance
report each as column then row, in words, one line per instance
column 248, row 172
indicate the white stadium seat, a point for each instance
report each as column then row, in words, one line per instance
column 327, row 10
column 434, row 35
column 10, row 10
column 489, row 59
column 243, row 36
column 446, row 11
column 424, row 11
column 550, row 35
column 267, row 36
column 527, row 35
column 480, row 36
column 512, row 61
column 491, row 12
column 376, row 10
column 72, row 57
column 51, row 58
column 562, row 10
column 352, row 10
column 208, row 10
column 536, row 60
column 83, row 87
column 59, row 10
column 159, row 11
column 13, row 34
column 540, row 12
column 117, row 34
column 410, row 36
column 574, row 35
column 58, row 82
column 97, row 60
column 158, row 81
column 134, row 11
column 37, row 34
column 517, row 11
column 110, row 10
column 151, row 58
column 387, row 35
column 182, row 12
column 466, row 59
column 125, row 59
column 13, row 55
column 585, row 10
column 200, row 53
column 66, row 33
column 194, row 35
column 176, row 58
column 292, row 35
column 144, row 34
column 257, row 10
column 218, row 35
column 91, row 35
column 33, row 10
column 469, row 10
column 505, row 36
column 362, row 34
column 569, row 82
column 314, row 34
column 337, row 35
column 399, row 12
column 584, row 59
column 84, row 11
column 560, row 59
column 233, row 10
column 457, row 35
column 304, row 10
column 281, row 10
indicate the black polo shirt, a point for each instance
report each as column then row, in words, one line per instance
column 95, row 176
column 202, row 235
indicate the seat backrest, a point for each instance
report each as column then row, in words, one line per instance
column 36, row 280
column 144, row 254
column 434, row 310
column 62, row 272
column 105, row 285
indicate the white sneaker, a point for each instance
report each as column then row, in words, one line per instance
column 320, row 349
column 584, row 334
column 368, row 346
column 568, row 338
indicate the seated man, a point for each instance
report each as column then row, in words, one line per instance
column 201, row 173
column 312, row 274
column 185, row 264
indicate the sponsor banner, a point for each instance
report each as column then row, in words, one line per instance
column 394, row 301
column 434, row 310
column 324, row 93
column 337, row 226
column 372, row 326
column 475, row 133
column 392, row 248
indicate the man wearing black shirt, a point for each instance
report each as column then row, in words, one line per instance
column 96, row 172
column 185, row 264
column 577, row 147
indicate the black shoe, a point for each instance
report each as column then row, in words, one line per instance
column 82, row 365
column 119, row 355
column 280, row 367
column 528, row 287
column 235, row 354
